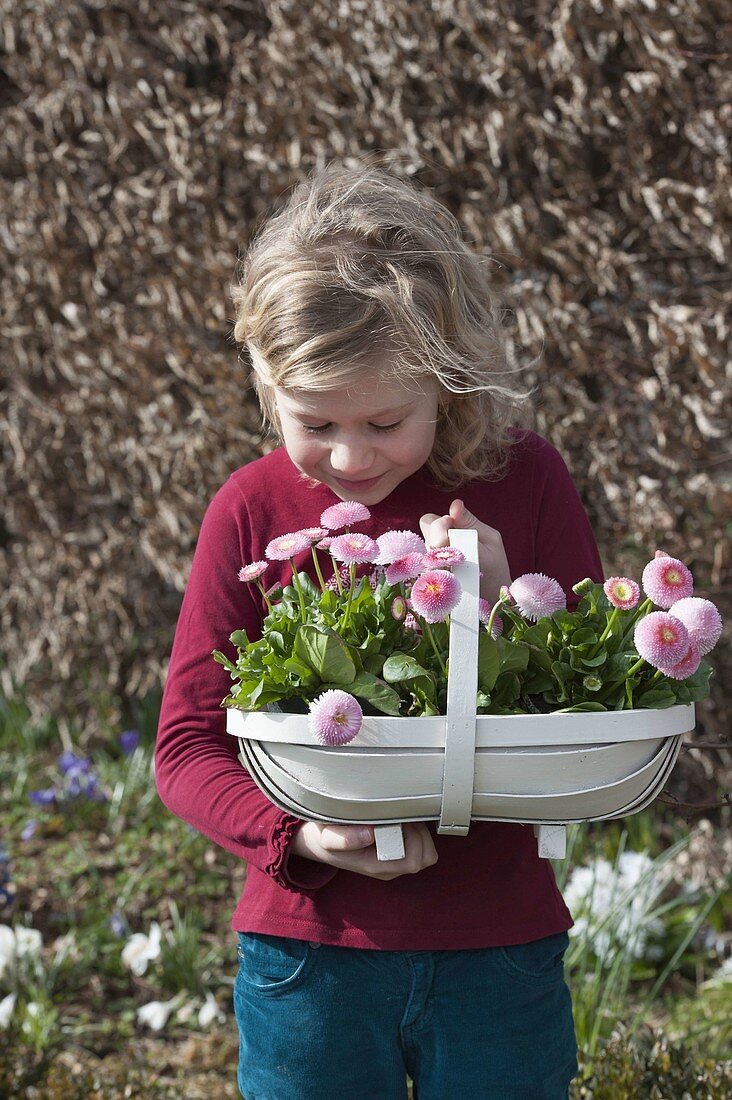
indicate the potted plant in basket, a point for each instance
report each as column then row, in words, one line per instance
column 363, row 660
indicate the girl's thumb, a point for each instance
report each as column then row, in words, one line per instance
column 461, row 516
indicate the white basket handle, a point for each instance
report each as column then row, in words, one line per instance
column 462, row 686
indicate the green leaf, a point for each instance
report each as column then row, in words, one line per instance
column 239, row 638
column 222, row 659
column 300, row 671
column 581, row 707
column 489, row 664
column 656, row 698
column 400, row 666
column 325, row 652
column 376, row 692
column 311, row 591
column 538, row 684
column 513, row 658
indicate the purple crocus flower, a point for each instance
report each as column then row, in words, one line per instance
column 28, row 830
column 71, row 764
column 118, row 924
column 44, row 797
column 129, row 740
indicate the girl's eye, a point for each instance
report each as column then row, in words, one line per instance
column 320, row 428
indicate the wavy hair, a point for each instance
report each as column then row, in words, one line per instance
column 359, row 263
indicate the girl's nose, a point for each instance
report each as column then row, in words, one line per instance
column 351, row 457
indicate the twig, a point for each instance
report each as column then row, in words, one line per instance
column 708, row 745
column 671, row 801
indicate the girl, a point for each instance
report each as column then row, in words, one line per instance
column 377, row 358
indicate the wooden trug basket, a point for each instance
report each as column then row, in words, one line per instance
column 542, row 769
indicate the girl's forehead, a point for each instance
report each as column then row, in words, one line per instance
column 374, row 395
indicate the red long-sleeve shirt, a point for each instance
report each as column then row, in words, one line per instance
column 487, row 889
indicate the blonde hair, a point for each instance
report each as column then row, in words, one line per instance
column 360, row 263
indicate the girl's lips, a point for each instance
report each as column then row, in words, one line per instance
column 358, row 485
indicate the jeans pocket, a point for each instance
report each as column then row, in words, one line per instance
column 272, row 964
column 537, row 961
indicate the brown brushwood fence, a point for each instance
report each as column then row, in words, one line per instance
column 583, row 146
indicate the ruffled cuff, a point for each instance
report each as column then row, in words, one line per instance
column 292, row 872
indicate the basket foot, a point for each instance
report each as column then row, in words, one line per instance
column 389, row 842
column 552, row 841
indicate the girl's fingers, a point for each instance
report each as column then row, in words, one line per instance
column 346, row 838
column 434, row 530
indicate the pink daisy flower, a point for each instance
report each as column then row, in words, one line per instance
column 701, row 618
column 661, row 639
column 504, row 593
column 411, row 623
column 344, row 514
column 252, row 571
column 687, row 666
column 398, row 608
column 537, row 595
column 313, row 533
column 666, row 580
column 335, row 717
column 324, row 544
column 394, row 545
column 404, row 569
column 353, row 547
column 442, row 557
column 435, row 594
column 286, row 546
column 621, row 592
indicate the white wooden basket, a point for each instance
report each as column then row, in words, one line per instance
column 541, row 769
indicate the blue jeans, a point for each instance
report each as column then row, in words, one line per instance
column 340, row 1023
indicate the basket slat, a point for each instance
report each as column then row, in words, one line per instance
column 462, row 686
column 493, row 731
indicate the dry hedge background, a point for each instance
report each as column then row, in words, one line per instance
column 581, row 143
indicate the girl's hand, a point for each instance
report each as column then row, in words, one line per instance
column 492, row 560
column 352, row 848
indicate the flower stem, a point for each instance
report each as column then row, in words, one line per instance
column 431, row 637
column 337, row 575
column 639, row 612
column 352, row 576
column 317, row 568
column 298, row 589
column 608, row 630
column 635, row 667
column 265, row 597
column 491, row 617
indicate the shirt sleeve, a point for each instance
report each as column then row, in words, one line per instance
column 197, row 771
column 564, row 542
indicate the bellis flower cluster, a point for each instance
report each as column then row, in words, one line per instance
column 362, row 623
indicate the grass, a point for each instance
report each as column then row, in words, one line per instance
column 94, row 872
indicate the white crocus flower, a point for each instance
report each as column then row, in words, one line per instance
column 185, row 1012
column 7, row 949
column 141, row 949
column 210, row 1011
column 614, row 904
column 28, row 941
column 155, row 1014
column 6, row 1010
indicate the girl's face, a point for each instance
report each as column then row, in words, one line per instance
column 362, row 441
